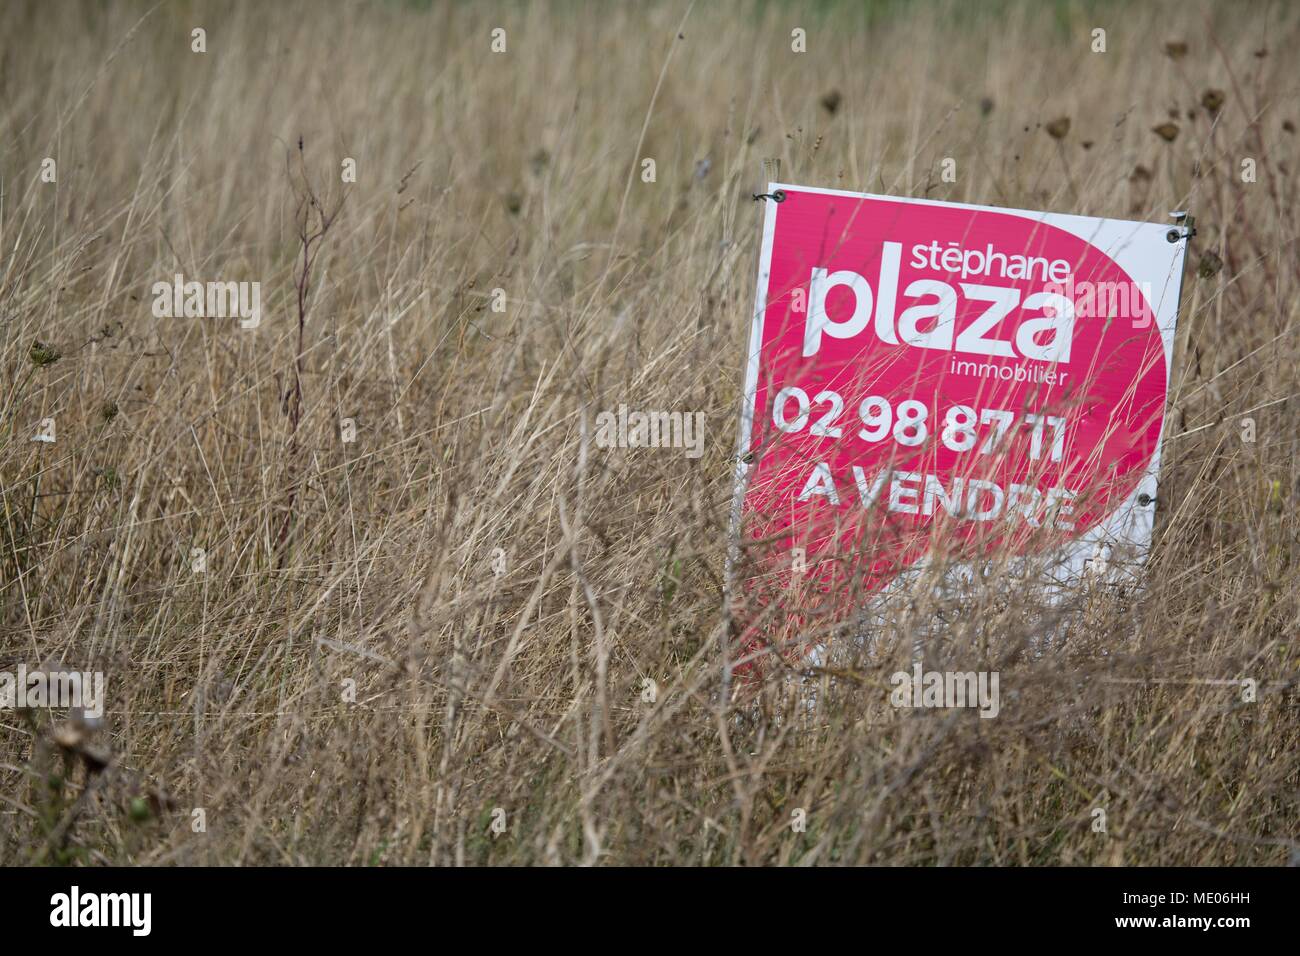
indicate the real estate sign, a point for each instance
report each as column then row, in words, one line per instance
column 929, row 375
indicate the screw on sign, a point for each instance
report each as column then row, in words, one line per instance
column 933, row 380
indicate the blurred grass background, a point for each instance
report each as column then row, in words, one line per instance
column 372, row 562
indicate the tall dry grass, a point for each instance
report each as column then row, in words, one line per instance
column 372, row 561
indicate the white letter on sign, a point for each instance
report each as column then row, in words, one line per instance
column 1061, row 325
column 972, row 339
column 819, row 321
column 891, row 253
column 943, row 310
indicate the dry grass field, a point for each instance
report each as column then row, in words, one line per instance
column 358, row 675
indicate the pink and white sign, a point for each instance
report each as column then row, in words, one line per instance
column 931, row 376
